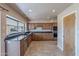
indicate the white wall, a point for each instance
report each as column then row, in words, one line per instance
column 72, row 8
column 0, row 33
column 77, row 45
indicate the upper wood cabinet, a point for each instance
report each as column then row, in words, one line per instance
column 47, row 26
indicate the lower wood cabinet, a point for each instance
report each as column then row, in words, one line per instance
column 43, row 36
column 22, row 47
column 29, row 40
column 24, row 44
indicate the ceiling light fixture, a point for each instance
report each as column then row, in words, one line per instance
column 53, row 10
column 30, row 10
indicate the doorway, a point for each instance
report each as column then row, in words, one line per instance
column 69, row 35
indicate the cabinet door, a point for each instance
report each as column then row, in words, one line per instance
column 28, row 41
column 22, row 47
column 25, row 45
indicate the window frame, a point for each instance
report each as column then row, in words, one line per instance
column 14, row 19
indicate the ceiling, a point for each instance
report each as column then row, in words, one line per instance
column 40, row 11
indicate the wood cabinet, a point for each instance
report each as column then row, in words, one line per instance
column 44, row 26
column 23, row 47
column 33, row 26
column 24, row 44
column 42, row 36
column 29, row 40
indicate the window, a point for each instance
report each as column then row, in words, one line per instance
column 25, row 28
column 14, row 26
column 11, row 26
column 20, row 27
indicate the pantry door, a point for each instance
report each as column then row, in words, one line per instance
column 69, row 35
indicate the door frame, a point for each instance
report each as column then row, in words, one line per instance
column 69, row 13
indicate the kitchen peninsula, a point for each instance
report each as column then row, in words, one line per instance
column 17, row 44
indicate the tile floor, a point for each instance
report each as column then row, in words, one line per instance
column 43, row 48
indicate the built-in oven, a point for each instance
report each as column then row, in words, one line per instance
column 55, row 32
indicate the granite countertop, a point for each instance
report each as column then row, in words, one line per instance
column 18, row 36
column 42, row 31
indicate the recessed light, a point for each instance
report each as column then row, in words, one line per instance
column 53, row 10
column 30, row 10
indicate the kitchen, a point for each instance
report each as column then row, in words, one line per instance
column 18, row 33
column 26, row 30
column 19, row 42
